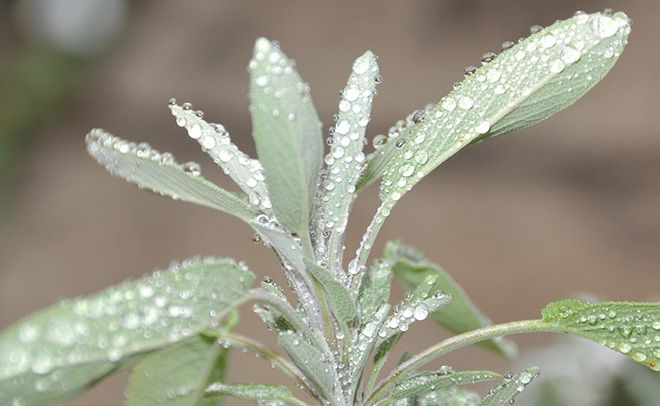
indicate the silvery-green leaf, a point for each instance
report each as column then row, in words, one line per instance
column 367, row 337
column 374, row 290
column 316, row 366
column 338, row 297
column 525, row 84
column 249, row 391
column 177, row 375
column 160, row 173
column 461, row 315
column 274, row 319
column 215, row 141
column 425, row 382
column 346, row 158
column 507, row 390
column 287, row 133
column 56, row 353
column 453, row 396
column 627, row 327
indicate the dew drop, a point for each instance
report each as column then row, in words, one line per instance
column 449, row 104
column 465, row 103
column 483, row 127
column 421, row 312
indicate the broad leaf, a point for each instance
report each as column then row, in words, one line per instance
column 56, row 353
column 249, row 391
column 345, row 159
column 627, row 327
column 215, row 141
column 287, row 133
column 525, row 84
column 340, row 300
column 425, row 382
column 178, row 375
column 160, row 173
column 512, row 385
column 318, row 369
column 461, row 315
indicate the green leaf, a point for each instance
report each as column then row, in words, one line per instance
column 449, row 397
column 367, row 338
column 249, row 391
column 436, row 380
column 345, row 159
column 177, row 375
column 340, row 300
column 215, row 141
column 512, row 385
column 56, row 353
column 627, row 327
column 287, row 133
column 160, row 173
column 525, row 84
column 314, row 364
column 461, row 315
column 374, row 290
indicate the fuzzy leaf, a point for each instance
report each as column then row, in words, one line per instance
column 346, row 158
column 340, row 300
column 249, row 391
column 366, row 340
column 506, row 391
column 437, row 380
column 461, row 315
column 56, row 353
column 375, row 290
column 160, row 173
column 178, row 375
column 316, row 367
column 627, row 327
column 525, row 84
column 215, row 141
column 287, row 133
column 452, row 396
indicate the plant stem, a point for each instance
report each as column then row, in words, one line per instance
column 455, row 343
column 366, row 245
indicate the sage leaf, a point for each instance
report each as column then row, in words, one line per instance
column 425, row 382
column 160, row 173
column 287, row 132
column 461, row 315
column 507, row 390
column 627, row 327
column 249, row 391
column 54, row 354
column 374, row 290
column 315, row 365
column 337, row 294
column 452, row 396
column 541, row 75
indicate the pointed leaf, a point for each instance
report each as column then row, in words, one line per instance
column 425, row 382
column 525, row 84
column 178, row 375
column 249, row 391
column 461, row 315
column 160, row 173
column 627, row 327
column 449, row 397
column 375, row 290
column 506, row 391
column 56, row 353
column 366, row 341
column 337, row 294
column 215, row 141
column 287, row 133
column 314, row 364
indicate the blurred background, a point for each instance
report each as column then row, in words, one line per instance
column 569, row 207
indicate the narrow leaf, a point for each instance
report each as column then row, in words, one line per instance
column 525, row 84
column 453, row 396
column 512, row 385
column 340, row 300
column 215, row 141
column 160, row 173
column 178, row 375
column 249, row 391
column 54, row 354
column 375, row 290
column 627, row 327
column 366, row 341
column 461, row 315
column 314, row 364
column 287, row 133
column 424, row 382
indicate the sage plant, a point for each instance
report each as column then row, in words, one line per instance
column 335, row 325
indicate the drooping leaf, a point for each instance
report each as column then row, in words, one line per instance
column 178, row 375
column 340, row 300
column 316, row 366
column 507, row 390
column 160, row 173
column 56, row 353
column 287, row 133
column 525, row 84
column 461, row 315
column 215, row 141
column 249, row 391
column 425, row 382
column 345, row 159
column 627, row 327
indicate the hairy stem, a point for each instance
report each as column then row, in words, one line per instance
column 454, row 343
